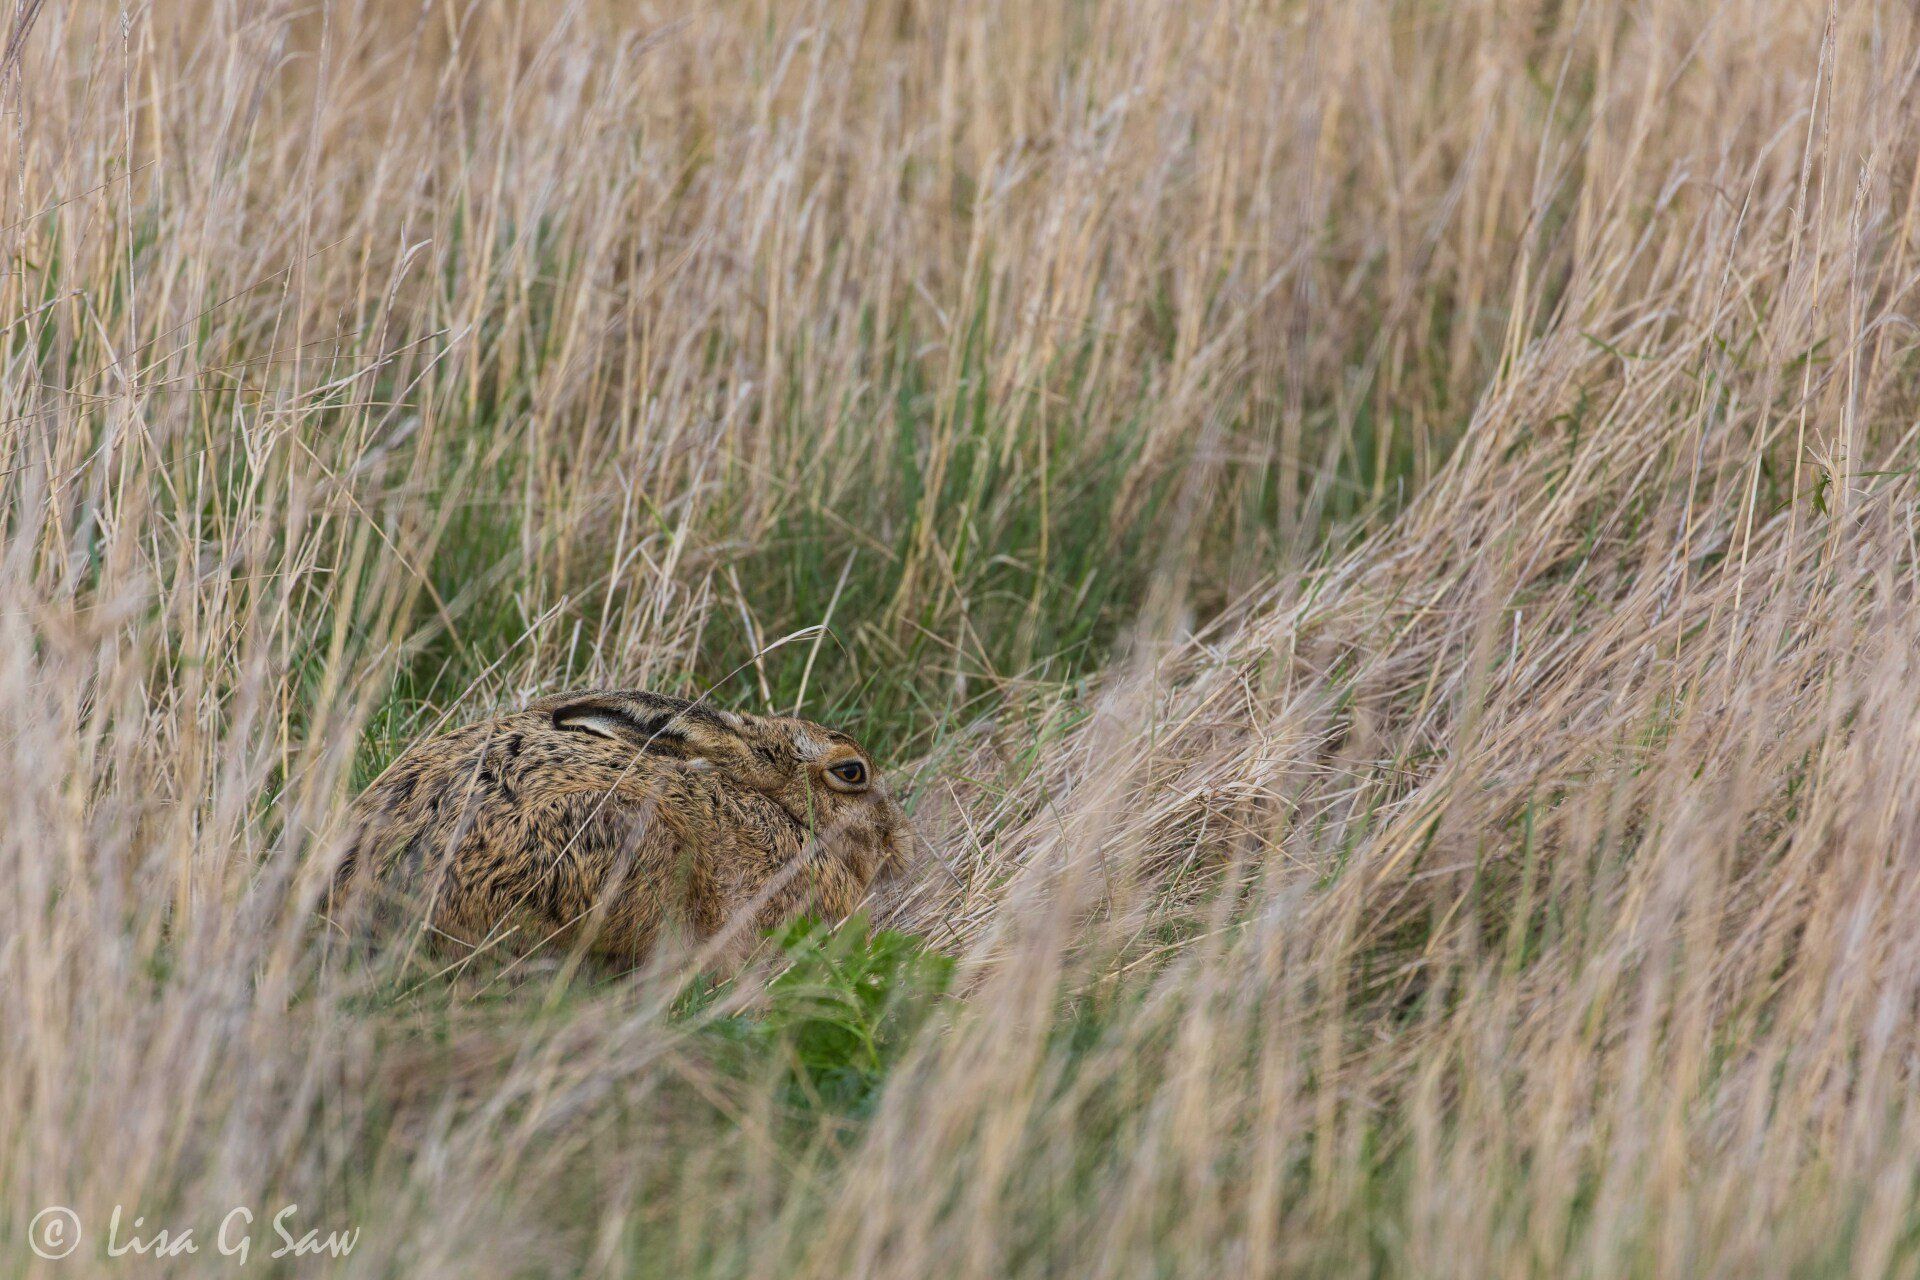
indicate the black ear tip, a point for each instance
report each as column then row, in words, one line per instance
column 586, row 717
column 647, row 730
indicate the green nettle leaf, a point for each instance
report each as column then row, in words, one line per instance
column 840, row 1013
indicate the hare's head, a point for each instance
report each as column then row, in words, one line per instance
column 823, row 779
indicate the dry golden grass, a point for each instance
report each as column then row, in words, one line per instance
column 1382, row 535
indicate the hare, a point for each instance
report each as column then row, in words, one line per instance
column 606, row 816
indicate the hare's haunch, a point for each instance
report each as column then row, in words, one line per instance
column 606, row 816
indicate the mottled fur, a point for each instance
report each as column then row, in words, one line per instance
column 611, row 815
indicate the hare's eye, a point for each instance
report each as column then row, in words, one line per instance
column 851, row 774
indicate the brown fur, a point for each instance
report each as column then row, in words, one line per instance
column 607, row 816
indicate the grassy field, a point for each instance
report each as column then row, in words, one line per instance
column 1378, row 539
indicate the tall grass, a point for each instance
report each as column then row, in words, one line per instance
column 1380, row 539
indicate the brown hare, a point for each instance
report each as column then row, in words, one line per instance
column 604, row 817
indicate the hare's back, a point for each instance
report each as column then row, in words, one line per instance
column 476, row 778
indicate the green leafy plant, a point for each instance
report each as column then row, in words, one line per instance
column 839, row 1014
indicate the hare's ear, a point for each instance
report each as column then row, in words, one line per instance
column 644, row 727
